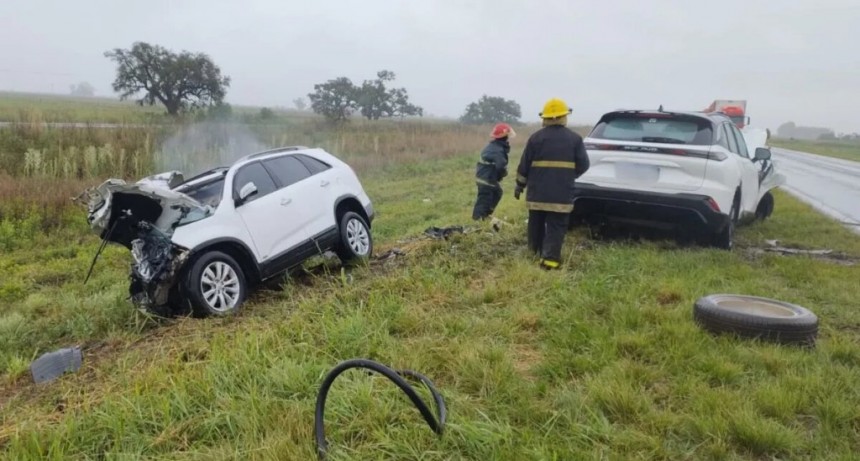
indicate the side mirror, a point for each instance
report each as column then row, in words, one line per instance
column 762, row 154
column 246, row 191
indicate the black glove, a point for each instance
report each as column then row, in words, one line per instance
column 517, row 192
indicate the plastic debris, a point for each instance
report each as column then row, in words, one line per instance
column 52, row 365
column 442, row 233
column 390, row 254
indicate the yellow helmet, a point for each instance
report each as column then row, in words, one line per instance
column 555, row 108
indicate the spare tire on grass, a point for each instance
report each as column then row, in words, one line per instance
column 754, row 317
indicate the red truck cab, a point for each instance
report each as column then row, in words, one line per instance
column 734, row 109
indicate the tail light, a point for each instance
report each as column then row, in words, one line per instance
column 713, row 204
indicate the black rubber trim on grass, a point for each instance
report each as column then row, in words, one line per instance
column 800, row 329
column 436, row 423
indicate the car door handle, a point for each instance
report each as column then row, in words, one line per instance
column 286, row 201
column 324, row 183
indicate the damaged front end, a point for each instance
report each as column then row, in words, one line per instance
column 142, row 217
column 155, row 270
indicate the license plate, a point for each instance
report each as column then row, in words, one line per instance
column 636, row 172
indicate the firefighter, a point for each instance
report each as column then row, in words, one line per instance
column 553, row 158
column 491, row 169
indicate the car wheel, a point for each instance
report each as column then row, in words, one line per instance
column 754, row 317
column 216, row 285
column 724, row 239
column 356, row 242
column 765, row 207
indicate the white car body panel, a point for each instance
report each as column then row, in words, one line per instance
column 277, row 230
column 672, row 173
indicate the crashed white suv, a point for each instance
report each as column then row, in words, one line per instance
column 689, row 171
column 203, row 242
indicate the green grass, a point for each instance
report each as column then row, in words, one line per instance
column 54, row 108
column 29, row 107
column 599, row 361
column 838, row 149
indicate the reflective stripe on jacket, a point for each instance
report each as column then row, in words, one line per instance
column 493, row 165
column 552, row 160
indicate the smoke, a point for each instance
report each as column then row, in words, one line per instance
column 202, row 146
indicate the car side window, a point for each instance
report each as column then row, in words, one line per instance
column 315, row 166
column 287, row 170
column 255, row 173
column 742, row 144
column 722, row 138
column 733, row 144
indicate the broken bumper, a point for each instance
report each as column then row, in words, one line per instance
column 142, row 217
column 156, row 269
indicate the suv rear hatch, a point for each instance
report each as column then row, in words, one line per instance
column 660, row 151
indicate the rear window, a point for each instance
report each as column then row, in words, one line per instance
column 656, row 128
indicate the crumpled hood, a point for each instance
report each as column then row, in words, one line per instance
column 115, row 208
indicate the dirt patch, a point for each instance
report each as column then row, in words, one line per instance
column 525, row 360
column 528, row 321
column 668, row 297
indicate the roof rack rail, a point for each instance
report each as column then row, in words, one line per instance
column 275, row 151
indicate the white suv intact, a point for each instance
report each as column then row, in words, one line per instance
column 685, row 170
column 202, row 243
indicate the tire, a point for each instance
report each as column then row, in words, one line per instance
column 216, row 285
column 754, row 317
column 765, row 207
column 356, row 242
column 724, row 239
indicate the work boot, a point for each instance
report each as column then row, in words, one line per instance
column 549, row 265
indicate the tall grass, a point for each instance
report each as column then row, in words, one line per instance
column 33, row 150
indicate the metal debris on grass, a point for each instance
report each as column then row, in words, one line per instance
column 52, row 365
column 443, row 233
column 775, row 247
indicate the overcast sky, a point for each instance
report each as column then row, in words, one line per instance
column 791, row 59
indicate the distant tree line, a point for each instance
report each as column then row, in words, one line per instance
column 186, row 81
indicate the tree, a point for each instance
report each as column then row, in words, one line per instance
column 300, row 104
column 83, row 89
column 492, row 109
column 376, row 101
column 337, row 99
column 266, row 114
column 179, row 81
column 786, row 130
column 334, row 99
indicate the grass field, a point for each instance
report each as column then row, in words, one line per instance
column 53, row 108
column 838, row 149
column 599, row 361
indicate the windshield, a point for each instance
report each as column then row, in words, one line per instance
column 208, row 193
column 656, row 128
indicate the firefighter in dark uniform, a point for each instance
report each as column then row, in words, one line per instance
column 491, row 169
column 553, row 158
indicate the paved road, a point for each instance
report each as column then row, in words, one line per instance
column 830, row 185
